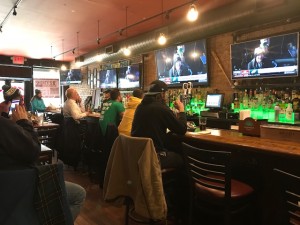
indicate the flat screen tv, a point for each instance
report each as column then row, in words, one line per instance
column 108, row 78
column 72, row 76
column 183, row 63
column 269, row 57
column 214, row 101
column 129, row 77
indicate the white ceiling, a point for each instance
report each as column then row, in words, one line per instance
column 47, row 28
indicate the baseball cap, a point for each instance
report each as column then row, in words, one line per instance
column 158, row 86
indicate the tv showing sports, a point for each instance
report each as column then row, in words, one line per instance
column 269, row 57
column 108, row 78
column 129, row 77
column 72, row 76
column 214, row 101
column 183, row 63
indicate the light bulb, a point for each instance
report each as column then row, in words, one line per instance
column 126, row 51
column 192, row 13
column 162, row 39
column 63, row 67
column 99, row 58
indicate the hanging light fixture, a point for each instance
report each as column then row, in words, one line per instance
column 78, row 63
column 15, row 12
column 126, row 50
column 192, row 14
column 63, row 67
column 162, row 40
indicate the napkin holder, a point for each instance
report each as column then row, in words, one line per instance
column 251, row 127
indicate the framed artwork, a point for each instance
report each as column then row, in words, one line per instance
column 89, row 77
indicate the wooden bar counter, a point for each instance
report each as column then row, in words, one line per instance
column 253, row 159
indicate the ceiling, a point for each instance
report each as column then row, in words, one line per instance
column 65, row 29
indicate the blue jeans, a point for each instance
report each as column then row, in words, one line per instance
column 76, row 196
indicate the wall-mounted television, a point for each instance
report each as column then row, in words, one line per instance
column 129, row 76
column 72, row 76
column 183, row 63
column 108, row 78
column 269, row 57
column 214, row 101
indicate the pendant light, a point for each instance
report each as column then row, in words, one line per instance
column 192, row 14
column 63, row 66
column 126, row 50
column 162, row 40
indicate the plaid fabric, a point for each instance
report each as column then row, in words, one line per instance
column 48, row 199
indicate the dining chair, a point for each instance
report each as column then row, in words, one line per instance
column 213, row 191
column 133, row 178
column 290, row 193
column 47, row 137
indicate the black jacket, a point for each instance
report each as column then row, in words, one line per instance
column 19, row 144
column 152, row 118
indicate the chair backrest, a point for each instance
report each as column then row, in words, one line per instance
column 290, row 193
column 209, row 169
column 133, row 170
column 18, row 190
column 48, row 137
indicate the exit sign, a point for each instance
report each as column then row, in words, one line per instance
column 18, row 60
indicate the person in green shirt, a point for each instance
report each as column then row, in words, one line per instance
column 112, row 110
column 37, row 103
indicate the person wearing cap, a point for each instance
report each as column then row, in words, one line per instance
column 73, row 106
column 9, row 94
column 37, row 103
column 153, row 118
column 133, row 102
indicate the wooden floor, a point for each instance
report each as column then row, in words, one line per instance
column 94, row 211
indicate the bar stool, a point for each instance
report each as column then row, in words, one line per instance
column 290, row 192
column 212, row 189
column 133, row 177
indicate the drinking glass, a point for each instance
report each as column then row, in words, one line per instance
column 202, row 123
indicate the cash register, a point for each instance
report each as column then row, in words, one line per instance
column 214, row 104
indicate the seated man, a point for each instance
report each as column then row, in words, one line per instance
column 133, row 102
column 153, row 118
column 73, row 106
column 112, row 110
column 20, row 148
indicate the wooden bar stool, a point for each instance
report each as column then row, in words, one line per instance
column 212, row 189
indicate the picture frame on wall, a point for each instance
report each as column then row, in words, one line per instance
column 92, row 81
column 89, row 77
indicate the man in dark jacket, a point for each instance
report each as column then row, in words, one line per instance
column 153, row 118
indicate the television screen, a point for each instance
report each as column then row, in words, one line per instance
column 108, row 78
column 72, row 76
column 183, row 63
column 214, row 101
column 129, row 77
column 268, row 57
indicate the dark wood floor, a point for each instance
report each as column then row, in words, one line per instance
column 95, row 211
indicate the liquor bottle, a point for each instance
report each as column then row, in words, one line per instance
column 245, row 100
column 289, row 112
column 277, row 111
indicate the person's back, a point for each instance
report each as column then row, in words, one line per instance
column 153, row 117
column 126, row 122
column 112, row 111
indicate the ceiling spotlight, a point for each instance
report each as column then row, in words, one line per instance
column 1, row 29
column 162, row 39
column 126, row 51
column 121, row 32
column 15, row 12
column 192, row 13
column 63, row 67
column 73, row 51
column 98, row 41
